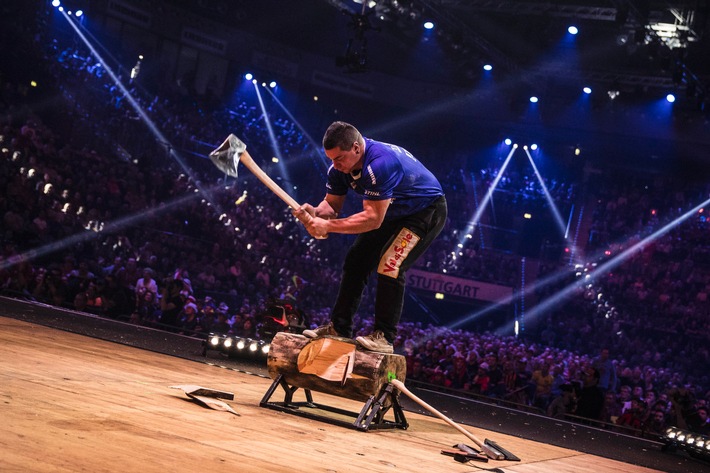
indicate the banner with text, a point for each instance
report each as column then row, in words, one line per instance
column 458, row 287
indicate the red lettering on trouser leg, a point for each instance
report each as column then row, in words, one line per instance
column 397, row 252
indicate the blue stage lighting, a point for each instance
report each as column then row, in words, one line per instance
column 79, row 13
column 508, row 141
column 533, row 99
column 572, row 30
column 670, row 98
column 56, row 3
column 487, row 67
column 272, row 84
column 248, row 76
column 587, row 90
column 533, row 146
column 428, row 25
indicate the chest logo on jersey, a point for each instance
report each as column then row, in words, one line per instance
column 397, row 252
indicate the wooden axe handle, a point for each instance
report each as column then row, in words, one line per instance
column 484, row 448
column 246, row 159
column 249, row 162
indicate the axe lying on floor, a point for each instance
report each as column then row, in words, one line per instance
column 488, row 447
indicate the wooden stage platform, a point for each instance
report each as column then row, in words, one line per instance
column 71, row 403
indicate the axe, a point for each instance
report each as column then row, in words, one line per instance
column 233, row 151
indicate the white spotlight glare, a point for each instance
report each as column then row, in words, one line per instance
column 272, row 84
column 248, row 76
column 56, row 3
column 533, row 99
column 428, row 25
column 572, row 30
column 670, row 98
column 533, row 146
column 79, row 13
column 587, row 90
column 487, row 67
column 508, row 141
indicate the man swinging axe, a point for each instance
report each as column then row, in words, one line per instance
column 403, row 211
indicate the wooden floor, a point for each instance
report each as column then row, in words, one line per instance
column 70, row 403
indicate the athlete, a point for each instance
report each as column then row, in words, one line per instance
column 403, row 211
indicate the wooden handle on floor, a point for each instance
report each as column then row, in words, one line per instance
column 484, row 448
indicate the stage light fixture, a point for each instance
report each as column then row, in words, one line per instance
column 428, row 25
column 79, row 13
column 508, row 141
column 241, row 344
column 696, row 445
column 587, row 90
column 56, row 3
column 248, row 76
column 533, row 146
column 573, row 30
column 670, row 98
column 272, row 84
column 228, row 342
column 214, row 340
column 533, row 99
column 487, row 67
column 253, row 346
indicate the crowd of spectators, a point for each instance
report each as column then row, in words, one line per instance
column 155, row 243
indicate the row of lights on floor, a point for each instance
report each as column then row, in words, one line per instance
column 236, row 346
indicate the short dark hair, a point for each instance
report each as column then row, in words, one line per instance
column 341, row 135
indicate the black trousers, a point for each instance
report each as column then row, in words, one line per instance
column 391, row 249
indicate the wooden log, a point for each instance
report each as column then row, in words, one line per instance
column 332, row 365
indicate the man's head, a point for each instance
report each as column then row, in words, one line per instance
column 344, row 146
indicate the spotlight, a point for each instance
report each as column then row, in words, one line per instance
column 56, row 3
column 228, row 343
column 508, row 141
column 533, row 99
column 428, row 25
column 533, row 146
column 272, row 84
column 587, row 90
column 487, row 67
column 670, row 98
column 253, row 346
column 248, row 76
column 214, row 341
column 572, row 30
column 79, row 13
column 241, row 344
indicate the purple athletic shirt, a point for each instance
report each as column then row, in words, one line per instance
column 389, row 172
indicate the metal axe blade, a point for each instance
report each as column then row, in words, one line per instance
column 227, row 156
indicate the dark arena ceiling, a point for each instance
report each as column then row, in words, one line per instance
column 631, row 53
column 640, row 50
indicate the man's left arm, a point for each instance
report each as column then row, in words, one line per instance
column 371, row 217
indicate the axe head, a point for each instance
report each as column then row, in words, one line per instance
column 226, row 157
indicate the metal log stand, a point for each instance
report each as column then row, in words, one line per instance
column 335, row 366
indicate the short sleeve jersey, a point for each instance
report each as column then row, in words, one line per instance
column 389, row 172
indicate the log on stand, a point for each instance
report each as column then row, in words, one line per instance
column 335, row 366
